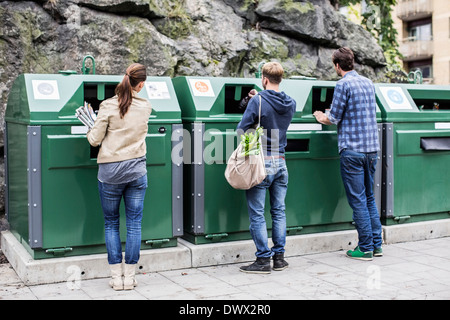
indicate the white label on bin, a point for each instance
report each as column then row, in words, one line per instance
column 396, row 98
column 442, row 125
column 304, row 126
column 201, row 88
column 79, row 129
column 157, row 90
column 45, row 89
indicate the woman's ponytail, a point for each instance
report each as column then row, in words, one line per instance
column 135, row 74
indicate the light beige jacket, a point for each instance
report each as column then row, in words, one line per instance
column 120, row 139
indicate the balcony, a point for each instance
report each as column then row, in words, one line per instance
column 408, row 10
column 413, row 49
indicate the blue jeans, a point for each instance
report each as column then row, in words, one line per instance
column 111, row 195
column 276, row 182
column 357, row 171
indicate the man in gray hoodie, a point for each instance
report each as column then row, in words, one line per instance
column 277, row 110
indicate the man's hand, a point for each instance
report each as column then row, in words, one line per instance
column 321, row 117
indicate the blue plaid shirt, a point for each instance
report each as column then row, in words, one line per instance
column 353, row 110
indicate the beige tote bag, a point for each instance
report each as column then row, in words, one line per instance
column 245, row 172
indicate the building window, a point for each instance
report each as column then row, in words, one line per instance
column 420, row 30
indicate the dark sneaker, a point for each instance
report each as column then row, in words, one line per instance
column 378, row 252
column 278, row 262
column 261, row 265
column 359, row 255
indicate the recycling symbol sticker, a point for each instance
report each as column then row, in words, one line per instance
column 396, row 98
column 45, row 89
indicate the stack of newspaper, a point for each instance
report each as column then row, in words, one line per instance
column 86, row 115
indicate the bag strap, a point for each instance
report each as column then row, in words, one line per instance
column 259, row 118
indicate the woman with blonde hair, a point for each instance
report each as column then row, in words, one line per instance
column 120, row 130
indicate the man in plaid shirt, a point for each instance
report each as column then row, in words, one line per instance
column 353, row 110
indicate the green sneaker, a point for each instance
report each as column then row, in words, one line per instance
column 358, row 254
column 378, row 252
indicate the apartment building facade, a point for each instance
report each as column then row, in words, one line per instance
column 423, row 28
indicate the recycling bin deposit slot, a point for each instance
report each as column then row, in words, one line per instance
column 426, row 101
column 322, row 99
column 435, row 144
column 94, row 94
column 233, row 96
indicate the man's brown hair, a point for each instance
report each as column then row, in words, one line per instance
column 273, row 71
column 345, row 58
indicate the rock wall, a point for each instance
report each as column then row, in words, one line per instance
column 178, row 37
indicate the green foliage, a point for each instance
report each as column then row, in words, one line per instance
column 378, row 21
column 301, row 7
column 250, row 142
column 177, row 23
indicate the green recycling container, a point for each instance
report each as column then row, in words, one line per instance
column 53, row 204
column 213, row 210
column 316, row 199
column 416, row 129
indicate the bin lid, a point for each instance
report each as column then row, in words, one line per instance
column 215, row 99
column 413, row 102
column 53, row 98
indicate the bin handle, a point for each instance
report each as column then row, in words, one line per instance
column 260, row 65
column 415, row 77
column 84, row 69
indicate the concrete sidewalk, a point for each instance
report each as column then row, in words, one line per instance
column 410, row 270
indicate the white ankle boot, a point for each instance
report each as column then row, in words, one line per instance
column 129, row 281
column 116, row 281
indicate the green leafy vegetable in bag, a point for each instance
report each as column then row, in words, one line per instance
column 250, row 142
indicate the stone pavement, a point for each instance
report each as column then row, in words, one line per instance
column 411, row 270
